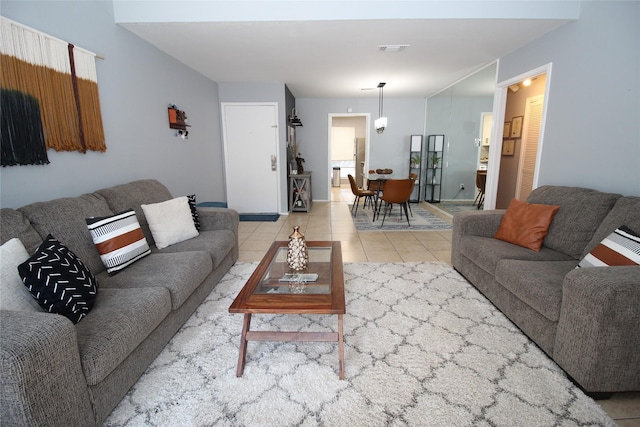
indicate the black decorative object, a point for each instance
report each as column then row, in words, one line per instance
column 22, row 138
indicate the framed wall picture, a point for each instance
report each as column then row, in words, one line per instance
column 506, row 132
column 516, row 127
column 508, row 147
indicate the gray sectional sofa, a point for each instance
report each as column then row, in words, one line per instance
column 587, row 319
column 55, row 372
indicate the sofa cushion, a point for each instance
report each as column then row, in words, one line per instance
column 486, row 252
column 13, row 223
column 13, row 294
column 536, row 283
column 581, row 212
column 134, row 194
column 218, row 243
column 181, row 273
column 624, row 212
column 59, row 280
column 65, row 219
column 622, row 247
column 526, row 224
column 119, row 240
column 170, row 221
column 120, row 320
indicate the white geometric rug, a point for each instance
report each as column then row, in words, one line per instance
column 422, row 347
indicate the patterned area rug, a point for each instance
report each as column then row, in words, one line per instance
column 422, row 347
column 451, row 207
column 421, row 220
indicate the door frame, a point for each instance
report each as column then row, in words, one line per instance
column 277, row 147
column 367, row 117
column 499, row 109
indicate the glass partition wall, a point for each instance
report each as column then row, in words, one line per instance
column 457, row 113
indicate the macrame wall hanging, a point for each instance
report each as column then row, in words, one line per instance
column 49, row 96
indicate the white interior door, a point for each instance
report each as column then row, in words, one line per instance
column 529, row 149
column 250, row 137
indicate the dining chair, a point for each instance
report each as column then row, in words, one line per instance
column 481, row 183
column 374, row 184
column 359, row 192
column 397, row 191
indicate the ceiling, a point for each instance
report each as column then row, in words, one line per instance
column 339, row 58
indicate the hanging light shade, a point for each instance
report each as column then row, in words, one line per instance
column 380, row 124
column 381, row 121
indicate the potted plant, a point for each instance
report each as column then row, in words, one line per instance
column 434, row 160
column 415, row 162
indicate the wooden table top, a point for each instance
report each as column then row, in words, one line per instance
column 264, row 293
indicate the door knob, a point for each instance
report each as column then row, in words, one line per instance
column 273, row 162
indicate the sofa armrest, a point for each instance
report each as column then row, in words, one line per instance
column 598, row 333
column 473, row 223
column 477, row 223
column 218, row 219
column 42, row 381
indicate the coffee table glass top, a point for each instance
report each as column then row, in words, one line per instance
column 273, row 280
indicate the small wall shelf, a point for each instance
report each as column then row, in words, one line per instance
column 178, row 120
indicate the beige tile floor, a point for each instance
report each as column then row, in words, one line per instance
column 332, row 221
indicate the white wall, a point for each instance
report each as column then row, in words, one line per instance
column 592, row 134
column 137, row 82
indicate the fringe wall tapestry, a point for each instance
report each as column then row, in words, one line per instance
column 49, row 96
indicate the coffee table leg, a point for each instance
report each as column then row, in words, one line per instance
column 341, row 346
column 243, row 344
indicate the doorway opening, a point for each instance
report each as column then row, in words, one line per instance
column 348, row 148
column 520, row 113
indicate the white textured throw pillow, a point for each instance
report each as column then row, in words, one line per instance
column 13, row 294
column 170, row 222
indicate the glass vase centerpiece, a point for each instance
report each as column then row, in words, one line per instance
column 297, row 252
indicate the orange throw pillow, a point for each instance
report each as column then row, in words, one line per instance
column 526, row 224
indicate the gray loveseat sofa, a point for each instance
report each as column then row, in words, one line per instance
column 588, row 319
column 55, row 372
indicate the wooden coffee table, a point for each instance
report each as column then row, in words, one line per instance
column 265, row 293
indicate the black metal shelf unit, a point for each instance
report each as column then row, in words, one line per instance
column 433, row 187
column 415, row 166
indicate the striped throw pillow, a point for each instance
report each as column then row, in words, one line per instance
column 622, row 247
column 119, row 240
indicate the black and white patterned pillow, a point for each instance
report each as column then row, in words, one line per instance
column 194, row 211
column 59, row 280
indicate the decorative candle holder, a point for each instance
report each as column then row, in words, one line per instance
column 297, row 253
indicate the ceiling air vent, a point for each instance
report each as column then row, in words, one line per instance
column 392, row 47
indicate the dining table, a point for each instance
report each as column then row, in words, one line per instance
column 381, row 178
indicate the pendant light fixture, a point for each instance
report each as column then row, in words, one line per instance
column 381, row 122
